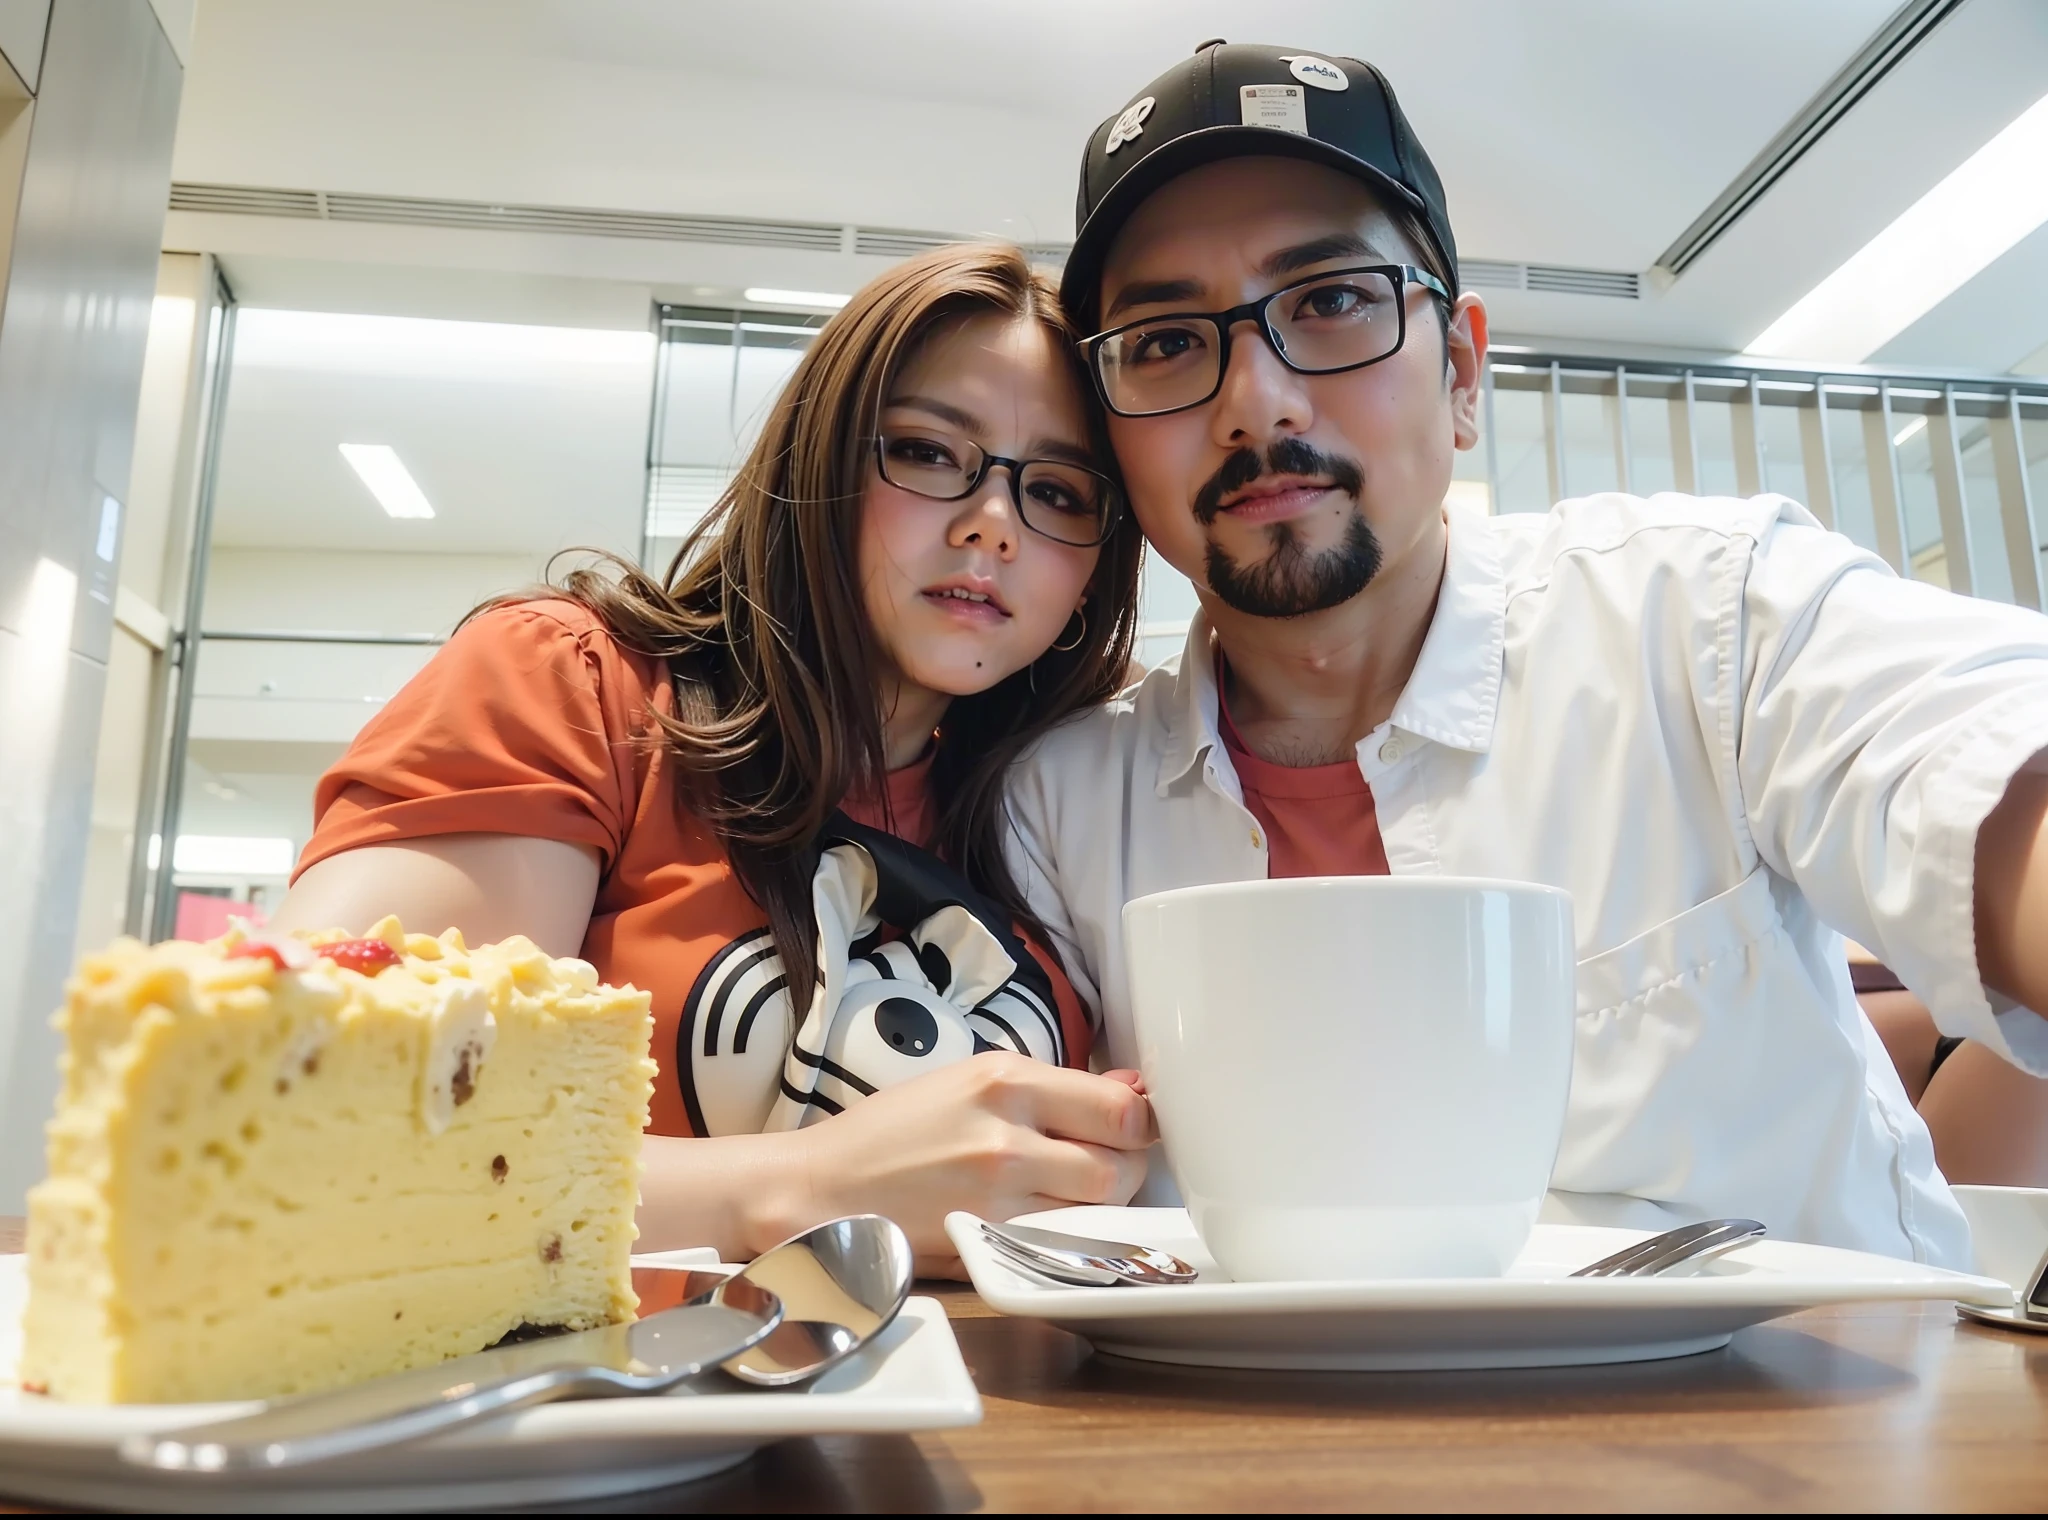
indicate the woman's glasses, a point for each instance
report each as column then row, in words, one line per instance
column 1343, row 320
column 1063, row 501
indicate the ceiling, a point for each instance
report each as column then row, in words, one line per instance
column 525, row 438
column 1577, row 132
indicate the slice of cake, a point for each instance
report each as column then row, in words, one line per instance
column 278, row 1165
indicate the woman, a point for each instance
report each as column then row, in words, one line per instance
column 715, row 788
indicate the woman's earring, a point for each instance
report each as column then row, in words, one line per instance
column 1080, row 615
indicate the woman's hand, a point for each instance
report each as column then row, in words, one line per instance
column 997, row 1135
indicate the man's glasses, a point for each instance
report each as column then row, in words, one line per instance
column 1067, row 502
column 1343, row 320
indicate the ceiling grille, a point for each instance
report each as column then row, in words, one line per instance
column 245, row 200
column 1555, row 279
column 418, row 211
column 751, row 232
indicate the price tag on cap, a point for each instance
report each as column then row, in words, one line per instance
column 1284, row 107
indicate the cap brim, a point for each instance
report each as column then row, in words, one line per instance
column 1083, row 273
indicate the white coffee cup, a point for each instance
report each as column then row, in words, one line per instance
column 1357, row 1077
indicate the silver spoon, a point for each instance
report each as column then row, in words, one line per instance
column 841, row 1285
column 646, row 1356
column 847, row 1279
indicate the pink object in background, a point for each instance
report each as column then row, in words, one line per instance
column 201, row 916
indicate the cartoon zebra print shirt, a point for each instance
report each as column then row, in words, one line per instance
column 916, row 971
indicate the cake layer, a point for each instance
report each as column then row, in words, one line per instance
column 268, row 1180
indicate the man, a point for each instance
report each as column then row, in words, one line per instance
column 1726, row 732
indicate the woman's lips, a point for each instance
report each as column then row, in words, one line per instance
column 1274, row 506
column 976, row 614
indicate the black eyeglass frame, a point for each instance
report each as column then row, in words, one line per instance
column 1260, row 312
column 1113, row 494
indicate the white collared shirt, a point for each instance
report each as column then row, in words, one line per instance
column 1728, row 733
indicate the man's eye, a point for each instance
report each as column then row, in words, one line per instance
column 1162, row 345
column 1329, row 302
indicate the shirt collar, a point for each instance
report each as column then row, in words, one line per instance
column 1452, row 695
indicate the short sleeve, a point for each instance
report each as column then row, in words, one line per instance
column 524, row 723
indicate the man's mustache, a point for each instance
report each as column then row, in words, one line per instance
column 1289, row 456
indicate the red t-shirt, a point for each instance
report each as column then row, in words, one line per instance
column 1319, row 819
column 533, row 720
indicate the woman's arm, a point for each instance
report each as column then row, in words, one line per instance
column 997, row 1135
column 1989, row 1119
column 490, row 886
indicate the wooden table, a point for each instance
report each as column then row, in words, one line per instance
column 1872, row 1407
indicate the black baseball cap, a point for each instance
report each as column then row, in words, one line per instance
column 1233, row 99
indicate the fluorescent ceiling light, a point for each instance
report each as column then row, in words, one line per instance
column 231, row 855
column 1945, row 239
column 388, row 479
column 823, row 300
column 1911, row 429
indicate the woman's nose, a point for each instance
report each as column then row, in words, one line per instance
column 988, row 518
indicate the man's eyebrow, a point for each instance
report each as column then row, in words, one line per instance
column 1151, row 293
column 1338, row 245
column 1285, row 261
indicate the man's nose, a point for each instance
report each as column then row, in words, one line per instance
column 987, row 519
column 1260, row 398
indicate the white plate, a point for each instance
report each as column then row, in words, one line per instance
column 912, row 1378
column 1535, row 1316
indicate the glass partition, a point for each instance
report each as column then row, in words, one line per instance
column 1941, row 478
column 373, row 479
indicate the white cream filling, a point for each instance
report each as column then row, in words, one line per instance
column 459, row 1041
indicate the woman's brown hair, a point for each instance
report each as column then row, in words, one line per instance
column 764, row 630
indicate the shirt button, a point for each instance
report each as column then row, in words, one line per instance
column 1390, row 751
column 1258, row 841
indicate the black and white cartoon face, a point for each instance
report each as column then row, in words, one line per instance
column 957, row 983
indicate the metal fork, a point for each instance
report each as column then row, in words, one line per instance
column 1660, row 1253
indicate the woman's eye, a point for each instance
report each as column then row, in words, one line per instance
column 1058, row 499
column 1162, row 345
column 925, row 453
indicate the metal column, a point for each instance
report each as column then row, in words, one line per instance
column 1887, row 496
column 2016, row 505
column 1945, row 454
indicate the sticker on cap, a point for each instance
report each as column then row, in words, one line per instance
column 1284, row 107
column 1127, row 126
column 1320, row 72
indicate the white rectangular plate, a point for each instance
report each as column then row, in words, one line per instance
column 912, row 1378
column 1537, row 1315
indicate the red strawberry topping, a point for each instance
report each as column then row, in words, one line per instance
column 369, row 956
column 262, row 951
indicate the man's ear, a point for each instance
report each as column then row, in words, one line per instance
column 1465, row 345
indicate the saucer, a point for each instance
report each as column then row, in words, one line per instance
column 910, row 1378
column 2004, row 1319
column 1536, row 1315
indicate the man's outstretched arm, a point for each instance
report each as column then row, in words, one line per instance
column 2012, row 893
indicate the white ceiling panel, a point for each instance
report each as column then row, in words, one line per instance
column 1576, row 132
column 525, row 439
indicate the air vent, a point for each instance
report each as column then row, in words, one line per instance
column 245, row 200
column 418, row 211
column 897, row 245
column 1556, row 279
